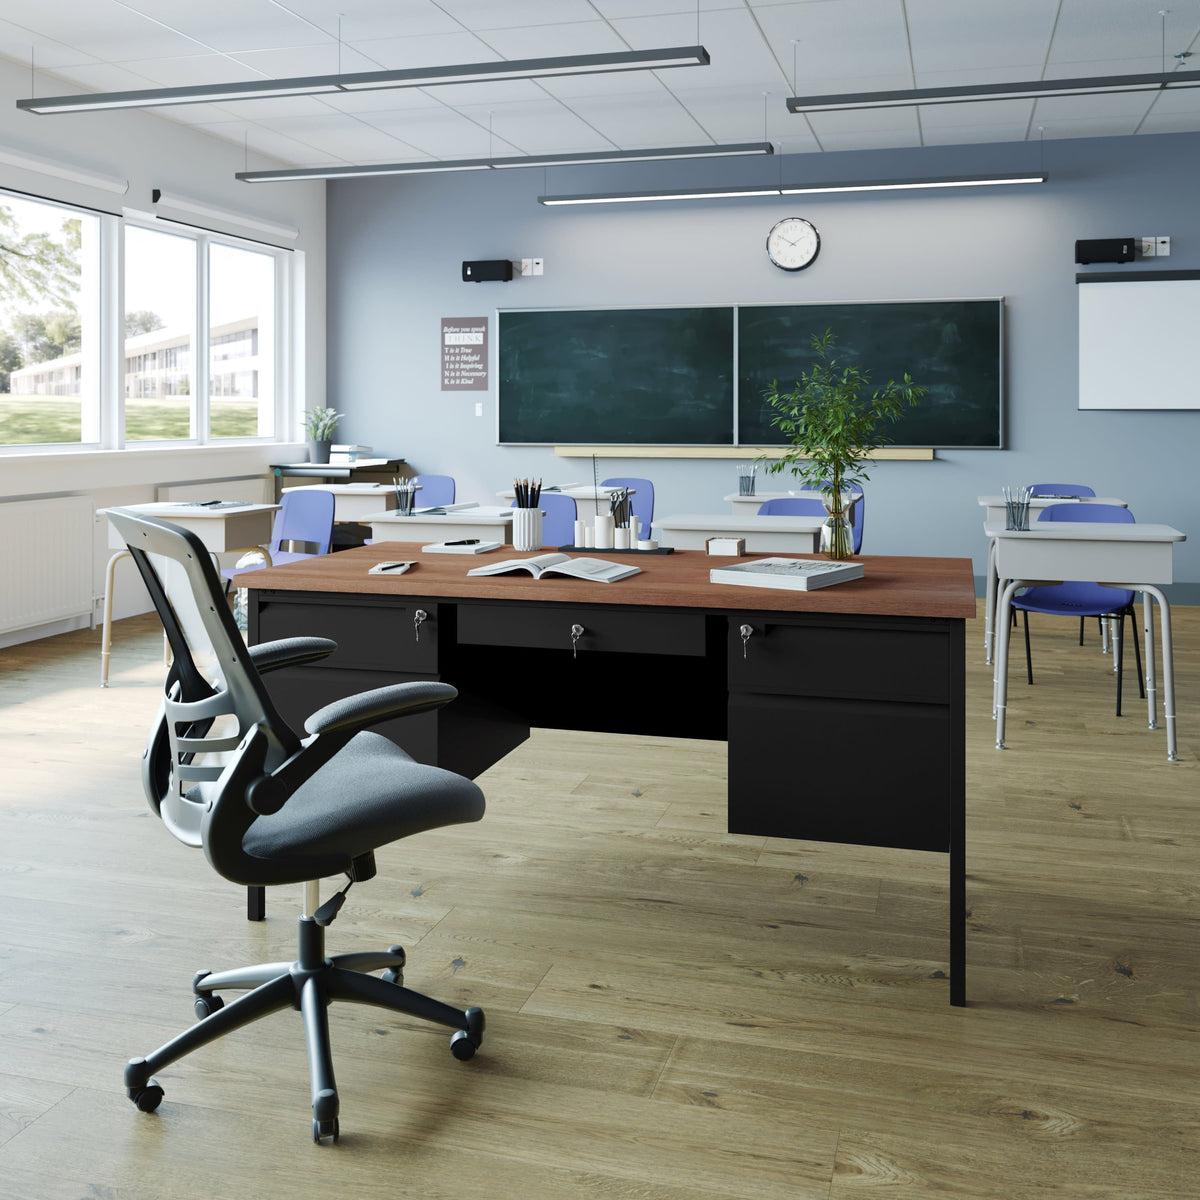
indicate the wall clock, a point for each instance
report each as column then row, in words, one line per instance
column 793, row 243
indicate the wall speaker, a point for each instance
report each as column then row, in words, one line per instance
column 491, row 270
column 1105, row 250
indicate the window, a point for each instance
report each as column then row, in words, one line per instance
column 195, row 354
column 160, row 333
column 49, row 323
column 241, row 342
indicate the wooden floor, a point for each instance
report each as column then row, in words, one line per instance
column 673, row 1013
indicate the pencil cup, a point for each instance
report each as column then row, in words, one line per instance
column 406, row 498
column 746, row 480
column 604, row 531
column 621, row 538
column 527, row 529
column 580, row 527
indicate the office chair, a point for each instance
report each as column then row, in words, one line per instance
column 1060, row 489
column 558, row 525
column 435, row 490
column 278, row 808
column 641, row 502
column 1074, row 598
column 303, row 516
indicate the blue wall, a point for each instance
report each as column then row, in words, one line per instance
column 395, row 249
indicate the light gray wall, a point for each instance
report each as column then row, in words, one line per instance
column 395, row 249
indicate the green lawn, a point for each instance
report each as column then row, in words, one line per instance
column 31, row 420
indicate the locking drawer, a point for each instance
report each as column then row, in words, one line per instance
column 549, row 627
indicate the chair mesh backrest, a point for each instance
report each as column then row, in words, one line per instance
column 792, row 506
column 558, row 525
column 304, row 516
column 1060, row 489
column 213, row 693
column 1111, row 513
column 435, row 490
column 641, row 502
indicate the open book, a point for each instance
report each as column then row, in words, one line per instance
column 597, row 569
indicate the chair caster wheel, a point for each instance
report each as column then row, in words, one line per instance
column 465, row 1042
column 393, row 975
column 147, row 1098
column 463, row 1046
column 206, row 1005
column 325, row 1129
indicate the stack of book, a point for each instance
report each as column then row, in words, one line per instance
column 798, row 574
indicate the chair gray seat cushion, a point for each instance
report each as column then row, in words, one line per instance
column 370, row 794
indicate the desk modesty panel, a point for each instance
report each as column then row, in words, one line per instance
column 843, row 708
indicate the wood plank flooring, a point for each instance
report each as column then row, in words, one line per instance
column 674, row 1013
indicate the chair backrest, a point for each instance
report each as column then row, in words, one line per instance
column 217, row 710
column 1111, row 513
column 641, row 502
column 1060, row 489
column 305, row 515
column 435, row 490
column 558, row 525
column 792, row 506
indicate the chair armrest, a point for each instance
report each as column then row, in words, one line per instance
column 369, row 708
column 289, row 652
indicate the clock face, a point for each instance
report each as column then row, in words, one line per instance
column 793, row 243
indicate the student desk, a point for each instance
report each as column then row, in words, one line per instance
column 246, row 527
column 1132, row 557
column 764, row 535
column 843, row 708
column 353, row 502
column 489, row 524
column 995, row 514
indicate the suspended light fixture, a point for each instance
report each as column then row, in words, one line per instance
column 316, row 85
column 485, row 164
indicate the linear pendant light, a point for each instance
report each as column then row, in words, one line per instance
column 796, row 189
column 485, row 164
column 315, row 85
column 970, row 94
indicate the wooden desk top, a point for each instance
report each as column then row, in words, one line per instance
column 902, row 587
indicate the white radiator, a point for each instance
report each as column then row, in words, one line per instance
column 46, row 551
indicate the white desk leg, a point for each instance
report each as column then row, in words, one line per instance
column 989, row 610
column 106, row 635
column 1168, row 669
column 1000, row 676
column 1148, row 635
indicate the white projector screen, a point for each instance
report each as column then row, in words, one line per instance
column 1137, row 341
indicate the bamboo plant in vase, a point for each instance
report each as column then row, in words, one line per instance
column 834, row 421
column 319, row 424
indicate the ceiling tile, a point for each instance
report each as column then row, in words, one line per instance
column 432, row 50
column 637, row 121
column 229, row 25
column 376, row 18
column 323, row 59
column 341, row 139
column 487, row 14
column 1011, row 38
column 547, row 41
column 103, row 28
column 1117, row 31
column 443, row 133
column 540, row 129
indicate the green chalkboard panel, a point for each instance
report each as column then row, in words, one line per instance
column 952, row 347
column 638, row 376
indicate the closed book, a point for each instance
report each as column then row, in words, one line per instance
column 796, row 574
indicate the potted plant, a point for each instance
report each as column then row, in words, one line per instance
column 319, row 424
column 834, row 421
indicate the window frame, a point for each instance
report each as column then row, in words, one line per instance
column 107, row 418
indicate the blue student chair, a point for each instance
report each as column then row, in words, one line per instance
column 558, row 525
column 641, row 502
column 303, row 516
column 1060, row 489
column 792, row 506
column 1081, row 599
column 435, row 490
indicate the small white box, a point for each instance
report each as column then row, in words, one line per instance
column 729, row 547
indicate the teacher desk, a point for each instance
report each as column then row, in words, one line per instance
column 843, row 708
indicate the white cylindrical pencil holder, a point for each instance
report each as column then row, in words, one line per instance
column 604, row 531
column 580, row 528
column 621, row 538
column 589, row 536
column 527, row 529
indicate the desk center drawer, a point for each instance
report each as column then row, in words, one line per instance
column 549, row 627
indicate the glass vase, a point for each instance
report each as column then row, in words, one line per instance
column 837, row 539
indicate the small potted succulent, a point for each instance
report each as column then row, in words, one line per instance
column 319, row 424
column 833, row 419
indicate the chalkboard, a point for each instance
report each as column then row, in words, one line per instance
column 637, row 376
column 952, row 347
column 675, row 376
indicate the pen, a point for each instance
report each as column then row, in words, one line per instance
column 397, row 566
column 465, row 542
